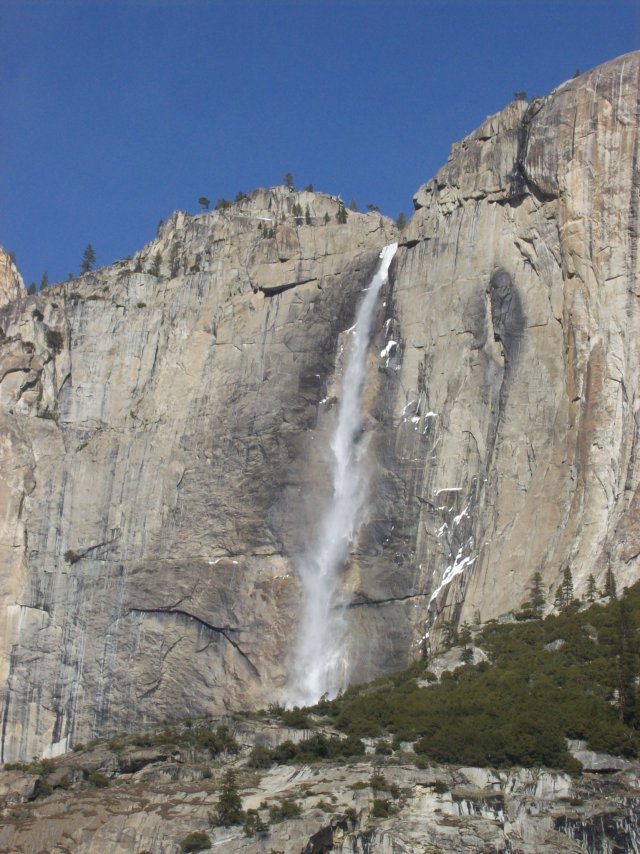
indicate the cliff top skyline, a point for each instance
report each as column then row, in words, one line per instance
column 117, row 114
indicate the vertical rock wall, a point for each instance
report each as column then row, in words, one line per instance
column 516, row 311
column 156, row 421
column 164, row 424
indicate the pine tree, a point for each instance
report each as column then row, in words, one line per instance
column 341, row 216
column 204, row 203
column 326, row 218
column 307, row 215
column 44, row 281
column 229, row 804
column 88, row 259
column 288, row 180
column 31, row 289
column 538, row 599
column 564, row 593
column 401, row 221
column 353, row 205
column 627, row 662
column 464, row 636
column 592, row 590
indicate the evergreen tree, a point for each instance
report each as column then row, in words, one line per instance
column 353, row 205
column 31, row 289
column 628, row 662
column 88, row 259
column 288, row 180
column 307, row 215
column 204, row 203
column 341, row 216
column 464, row 636
column 401, row 221
column 44, row 281
column 564, row 593
column 229, row 810
column 610, row 584
column 326, row 219
column 592, row 590
column 309, row 188
column 538, row 599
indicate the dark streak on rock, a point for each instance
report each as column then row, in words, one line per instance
column 222, row 631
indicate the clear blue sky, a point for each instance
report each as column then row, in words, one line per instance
column 114, row 114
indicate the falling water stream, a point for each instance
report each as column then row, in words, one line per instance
column 321, row 665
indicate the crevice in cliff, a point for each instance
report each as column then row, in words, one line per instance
column 521, row 183
column 72, row 556
column 367, row 601
column 225, row 632
column 278, row 289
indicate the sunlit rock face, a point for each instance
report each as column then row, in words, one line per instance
column 11, row 284
column 164, row 426
column 517, row 303
column 159, row 462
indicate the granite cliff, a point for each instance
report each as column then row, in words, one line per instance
column 164, row 425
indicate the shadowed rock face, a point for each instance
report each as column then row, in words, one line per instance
column 163, row 439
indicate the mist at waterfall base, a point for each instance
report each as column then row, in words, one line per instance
column 321, row 664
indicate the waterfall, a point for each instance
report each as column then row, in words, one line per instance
column 321, row 660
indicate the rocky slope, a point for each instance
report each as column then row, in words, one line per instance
column 151, row 795
column 164, row 425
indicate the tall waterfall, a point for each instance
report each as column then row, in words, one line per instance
column 321, row 663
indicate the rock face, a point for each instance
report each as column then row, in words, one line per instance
column 516, row 310
column 157, row 448
column 132, row 799
column 11, row 284
column 164, row 425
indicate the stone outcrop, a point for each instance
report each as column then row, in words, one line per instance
column 164, row 425
column 125, row 798
column 11, row 284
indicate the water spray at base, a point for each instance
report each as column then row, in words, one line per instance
column 321, row 665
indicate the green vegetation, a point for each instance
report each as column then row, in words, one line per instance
column 341, row 216
column 204, row 203
column 313, row 749
column 100, row 781
column 521, row 706
column 196, row 841
column 88, row 259
column 229, row 810
column 287, row 808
